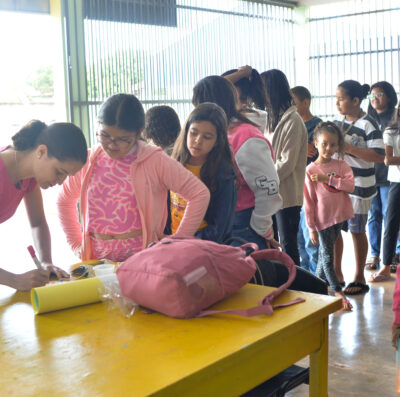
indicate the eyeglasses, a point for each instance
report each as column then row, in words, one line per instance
column 378, row 95
column 107, row 139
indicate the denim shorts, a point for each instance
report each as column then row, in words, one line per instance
column 357, row 224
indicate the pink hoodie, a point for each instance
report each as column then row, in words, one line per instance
column 153, row 174
column 396, row 298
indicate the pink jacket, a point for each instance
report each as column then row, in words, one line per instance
column 396, row 298
column 259, row 181
column 153, row 174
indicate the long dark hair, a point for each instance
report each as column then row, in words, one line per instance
column 124, row 111
column 219, row 156
column 219, row 90
column 389, row 91
column 64, row 141
column 252, row 91
column 278, row 95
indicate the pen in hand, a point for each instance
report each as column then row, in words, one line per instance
column 34, row 257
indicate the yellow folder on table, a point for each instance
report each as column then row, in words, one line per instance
column 66, row 294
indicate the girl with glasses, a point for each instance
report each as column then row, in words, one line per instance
column 391, row 139
column 382, row 102
column 123, row 189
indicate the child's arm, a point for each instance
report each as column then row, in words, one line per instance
column 242, row 72
column 178, row 179
column 345, row 182
column 40, row 230
column 220, row 211
column 314, row 237
column 374, row 152
column 365, row 154
column 254, row 160
column 68, row 212
column 24, row 281
column 389, row 158
column 319, row 178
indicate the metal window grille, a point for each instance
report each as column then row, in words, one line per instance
column 357, row 39
column 158, row 50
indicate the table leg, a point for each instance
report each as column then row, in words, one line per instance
column 319, row 365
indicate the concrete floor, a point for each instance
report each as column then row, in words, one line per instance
column 361, row 358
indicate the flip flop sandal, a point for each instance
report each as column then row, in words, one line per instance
column 342, row 284
column 363, row 288
column 372, row 263
column 377, row 278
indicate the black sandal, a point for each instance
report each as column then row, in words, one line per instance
column 363, row 288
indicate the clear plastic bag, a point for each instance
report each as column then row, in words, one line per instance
column 113, row 298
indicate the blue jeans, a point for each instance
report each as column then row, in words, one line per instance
column 241, row 228
column 307, row 250
column 376, row 217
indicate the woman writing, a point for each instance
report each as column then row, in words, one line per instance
column 41, row 156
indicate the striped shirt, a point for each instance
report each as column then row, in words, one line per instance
column 364, row 133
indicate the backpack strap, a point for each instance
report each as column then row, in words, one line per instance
column 265, row 305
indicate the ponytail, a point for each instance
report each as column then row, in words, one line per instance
column 64, row 141
column 251, row 89
column 26, row 137
column 355, row 90
column 257, row 91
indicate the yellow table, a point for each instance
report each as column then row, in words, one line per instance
column 90, row 351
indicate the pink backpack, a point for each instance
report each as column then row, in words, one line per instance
column 180, row 277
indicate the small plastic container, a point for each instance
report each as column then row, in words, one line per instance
column 102, row 270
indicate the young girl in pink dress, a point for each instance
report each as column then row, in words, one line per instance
column 123, row 189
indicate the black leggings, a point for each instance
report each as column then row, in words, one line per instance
column 287, row 222
column 392, row 222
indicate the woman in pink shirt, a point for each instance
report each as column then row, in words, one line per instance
column 123, row 189
column 326, row 201
column 41, row 156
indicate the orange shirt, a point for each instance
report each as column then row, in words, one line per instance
column 178, row 204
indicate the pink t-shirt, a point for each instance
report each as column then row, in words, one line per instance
column 112, row 207
column 10, row 196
